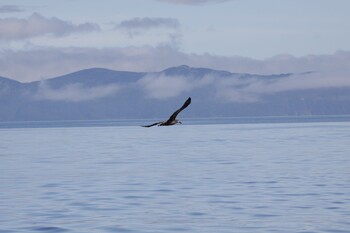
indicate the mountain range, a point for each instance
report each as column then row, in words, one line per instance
column 97, row 94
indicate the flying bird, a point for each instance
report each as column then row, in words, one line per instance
column 172, row 119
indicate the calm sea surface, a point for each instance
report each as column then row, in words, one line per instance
column 199, row 177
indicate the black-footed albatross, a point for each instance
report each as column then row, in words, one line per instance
column 172, row 119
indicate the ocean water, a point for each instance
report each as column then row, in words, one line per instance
column 266, row 177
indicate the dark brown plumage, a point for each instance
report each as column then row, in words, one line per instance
column 172, row 119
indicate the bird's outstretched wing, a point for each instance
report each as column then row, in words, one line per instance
column 174, row 115
column 151, row 124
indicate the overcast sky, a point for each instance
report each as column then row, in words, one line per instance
column 40, row 39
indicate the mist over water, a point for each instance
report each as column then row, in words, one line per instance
column 281, row 177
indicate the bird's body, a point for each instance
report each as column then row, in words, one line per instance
column 172, row 119
column 174, row 122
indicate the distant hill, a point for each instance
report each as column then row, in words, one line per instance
column 97, row 93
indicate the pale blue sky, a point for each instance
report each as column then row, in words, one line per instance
column 252, row 28
column 255, row 29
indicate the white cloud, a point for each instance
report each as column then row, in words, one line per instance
column 163, row 87
column 227, row 89
column 75, row 92
column 253, row 89
column 235, row 89
column 315, row 80
column 38, row 25
column 240, row 88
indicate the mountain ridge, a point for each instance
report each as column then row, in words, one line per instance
column 99, row 93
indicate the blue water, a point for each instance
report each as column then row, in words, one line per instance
column 267, row 177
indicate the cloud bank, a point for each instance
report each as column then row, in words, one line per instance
column 46, row 62
column 38, row 25
column 239, row 88
column 75, row 92
column 163, row 87
column 234, row 87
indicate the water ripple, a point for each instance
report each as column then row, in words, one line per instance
column 49, row 229
column 208, row 178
